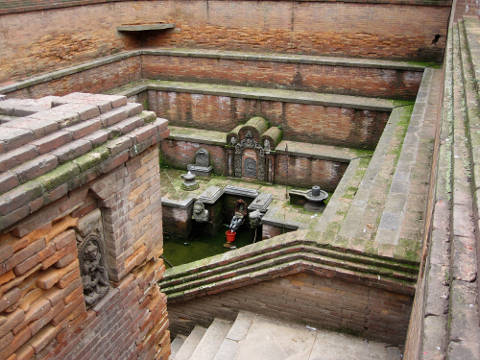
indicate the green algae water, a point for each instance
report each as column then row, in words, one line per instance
column 179, row 252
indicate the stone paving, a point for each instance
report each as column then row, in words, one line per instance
column 253, row 336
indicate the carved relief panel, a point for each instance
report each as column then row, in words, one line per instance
column 90, row 245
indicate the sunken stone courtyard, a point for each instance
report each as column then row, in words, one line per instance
column 239, row 180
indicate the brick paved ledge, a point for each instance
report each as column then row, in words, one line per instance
column 210, row 54
column 299, row 97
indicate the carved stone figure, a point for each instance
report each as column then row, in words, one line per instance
column 200, row 214
column 92, row 268
column 89, row 232
column 233, row 141
column 266, row 146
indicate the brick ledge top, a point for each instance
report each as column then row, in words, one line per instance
column 53, row 145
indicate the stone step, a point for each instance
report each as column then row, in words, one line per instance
column 211, row 340
column 239, row 330
column 247, row 92
column 400, row 230
column 361, row 222
column 188, row 347
column 260, row 337
column 176, row 344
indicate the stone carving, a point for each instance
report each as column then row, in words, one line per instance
column 266, row 146
column 92, row 268
column 202, row 158
column 200, row 214
column 249, row 143
column 202, row 163
column 233, row 141
column 89, row 232
column 250, row 168
column 189, row 181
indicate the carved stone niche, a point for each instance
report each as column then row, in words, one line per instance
column 91, row 255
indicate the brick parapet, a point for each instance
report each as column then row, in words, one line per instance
column 74, row 143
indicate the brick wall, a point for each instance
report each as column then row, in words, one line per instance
column 178, row 154
column 61, row 37
column 306, row 172
column 43, row 313
column 363, row 81
column 96, row 79
column 303, row 171
column 322, row 301
column 300, row 122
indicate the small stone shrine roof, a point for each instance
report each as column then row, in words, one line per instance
column 274, row 135
column 53, row 145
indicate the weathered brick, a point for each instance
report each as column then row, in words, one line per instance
column 19, row 196
column 84, row 128
column 72, row 150
column 25, row 352
column 38, row 309
column 51, row 142
column 8, row 180
column 12, row 320
column 17, row 157
column 10, row 298
column 22, row 255
column 11, row 139
column 43, row 338
column 38, row 127
column 34, row 168
column 52, row 276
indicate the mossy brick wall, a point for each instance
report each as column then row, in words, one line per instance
column 59, row 37
column 303, row 171
column 349, row 80
column 326, row 301
column 178, row 154
column 306, row 171
column 311, row 123
column 95, row 79
column 42, row 307
column 114, row 71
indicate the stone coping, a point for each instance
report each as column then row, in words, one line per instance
column 144, row 27
column 216, row 54
column 285, row 58
column 277, row 256
column 201, row 136
column 247, row 92
column 317, row 151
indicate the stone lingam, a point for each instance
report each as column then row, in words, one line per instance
column 312, row 200
column 189, row 181
column 315, row 199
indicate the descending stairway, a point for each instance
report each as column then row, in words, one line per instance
column 252, row 337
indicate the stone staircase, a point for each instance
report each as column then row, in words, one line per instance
column 450, row 307
column 252, row 337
